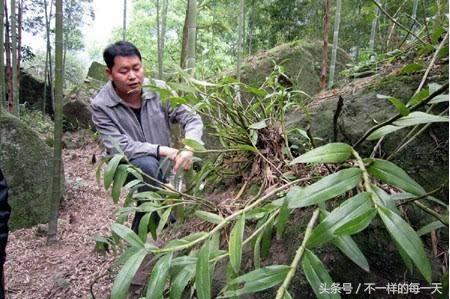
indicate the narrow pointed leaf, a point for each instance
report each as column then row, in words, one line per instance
column 430, row 227
column 391, row 174
column 282, row 219
column 143, row 226
column 402, row 109
column 412, row 68
column 316, row 274
column 158, row 277
column 119, row 179
column 348, row 247
column 126, row 274
column 324, row 189
column 266, row 240
column 180, row 281
column 235, row 244
column 111, row 170
column 258, row 280
column 202, row 273
column 351, row 216
column 210, row 217
column 412, row 119
column 194, row 144
column 127, row 234
column 330, row 153
column 407, row 239
column 257, row 252
column 439, row 99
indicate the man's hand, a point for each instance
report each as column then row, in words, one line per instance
column 180, row 158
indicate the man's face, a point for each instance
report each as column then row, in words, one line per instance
column 127, row 74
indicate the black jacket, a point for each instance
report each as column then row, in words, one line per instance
column 5, row 211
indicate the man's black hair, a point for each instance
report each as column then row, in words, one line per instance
column 121, row 48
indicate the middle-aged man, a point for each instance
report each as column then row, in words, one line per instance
column 136, row 118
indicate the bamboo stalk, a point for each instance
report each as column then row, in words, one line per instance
column 298, row 256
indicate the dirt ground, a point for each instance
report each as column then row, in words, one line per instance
column 72, row 267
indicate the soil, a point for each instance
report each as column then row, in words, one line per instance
column 72, row 267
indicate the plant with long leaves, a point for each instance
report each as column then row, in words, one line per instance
column 187, row 265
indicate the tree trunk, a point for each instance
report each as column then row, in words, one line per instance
column 373, row 31
column 124, row 26
column 337, row 21
column 158, row 37
column 19, row 45
column 57, row 151
column 250, row 25
column 2, row 58
column 49, row 75
column 16, row 110
column 326, row 28
column 184, row 41
column 9, row 83
column 162, row 20
column 414, row 16
column 192, row 34
column 240, row 36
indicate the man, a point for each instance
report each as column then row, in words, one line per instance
column 5, row 211
column 137, row 119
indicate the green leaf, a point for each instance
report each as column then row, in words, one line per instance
column 324, row 189
column 352, row 216
column 245, row 147
column 418, row 97
column 210, row 217
column 111, row 170
column 258, row 280
column 119, row 179
column 186, row 240
column 163, row 221
column 235, row 244
column 256, row 91
column 402, row 109
column 282, row 219
column 316, row 274
column 407, row 239
column 382, row 198
column 181, row 87
column 126, row 274
column 411, row 68
column 143, row 226
column 435, row 225
column 259, row 125
column 330, row 153
column 439, row 99
column 158, row 277
column 405, row 258
column 432, row 87
column 177, row 101
column 203, row 275
column 348, row 247
column 257, row 252
column 414, row 118
column 266, row 240
column 180, row 281
column 127, row 234
column 194, row 144
column 391, row 174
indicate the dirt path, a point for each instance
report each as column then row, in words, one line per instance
column 66, row 270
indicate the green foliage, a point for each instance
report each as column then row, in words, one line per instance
column 188, row 262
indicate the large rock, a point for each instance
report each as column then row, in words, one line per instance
column 302, row 61
column 32, row 93
column 97, row 71
column 76, row 108
column 26, row 162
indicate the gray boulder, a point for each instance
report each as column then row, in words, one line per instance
column 27, row 164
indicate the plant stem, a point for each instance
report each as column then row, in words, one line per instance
column 298, row 256
column 361, row 165
column 431, row 212
column 226, row 220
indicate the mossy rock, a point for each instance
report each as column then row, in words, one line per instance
column 97, row 71
column 26, row 162
column 301, row 60
column 76, row 107
column 32, row 93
